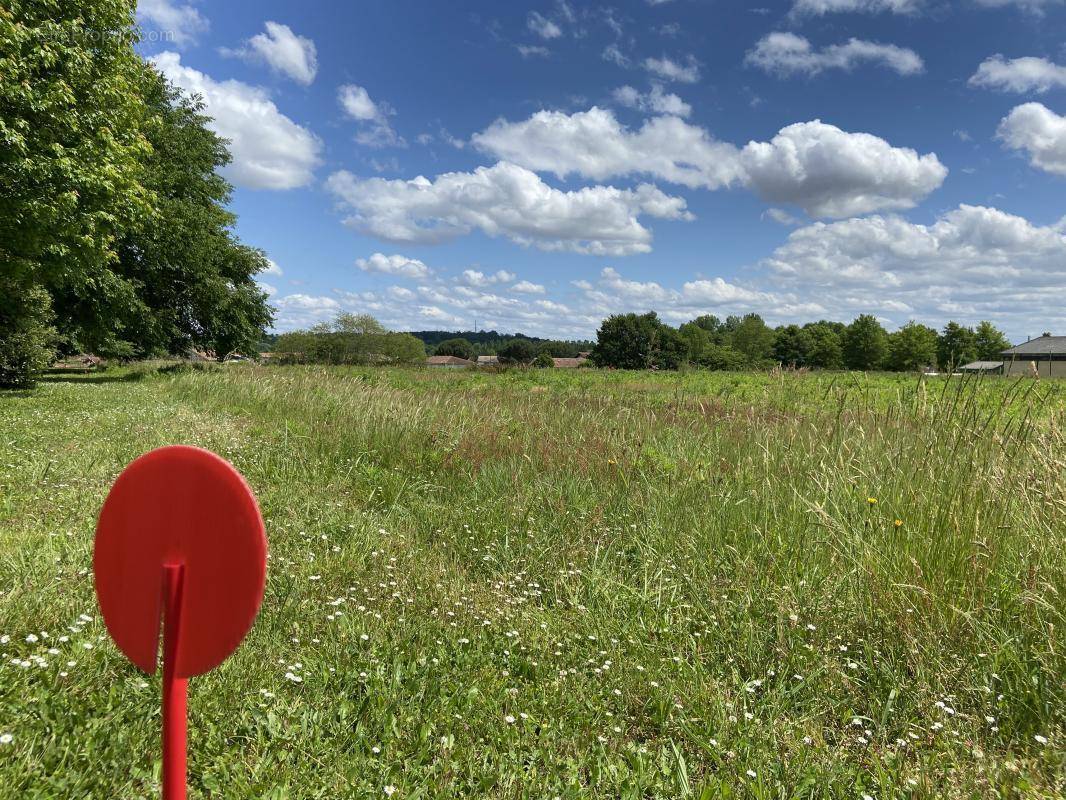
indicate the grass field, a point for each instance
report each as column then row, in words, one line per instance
column 569, row 584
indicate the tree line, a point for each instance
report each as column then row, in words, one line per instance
column 115, row 237
column 643, row 341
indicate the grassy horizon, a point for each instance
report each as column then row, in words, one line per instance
column 564, row 583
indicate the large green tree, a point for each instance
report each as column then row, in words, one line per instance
column 72, row 153
column 956, row 346
column 990, row 341
column 825, row 344
column 865, row 343
column 459, row 347
column 912, row 347
column 192, row 282
column 638, row 341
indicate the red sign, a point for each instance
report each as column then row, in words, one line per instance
column 180, row 540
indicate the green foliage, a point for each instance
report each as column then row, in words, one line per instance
column 349, row 339
column 865, row 344
column 825, row 344
column 518, row 351
column 638, row 341
column 990, row 342
column 544, row 360
column 460, row 348
column 753, row 338
column 957, row 346
column 912, row 347
column 25, row 334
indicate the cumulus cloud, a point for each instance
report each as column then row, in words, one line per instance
column 177, row 23
column 281, row 50
column 473, row 277
column 1032, row 6
column 929, row 271
column 1039, row 131
column 269, row 150
column 375, row 130
column 788, row 53
column 393, row 265
column 532, row 50
column 526, row 287
column 1026, row 74
column 504, row 200
column 656, row 100
column 273, row 269
column 818, row 8
column 818, row 167
column 670, row 70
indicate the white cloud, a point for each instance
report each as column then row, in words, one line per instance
column 393, row 265
column 281, row 50
column 272, row 269
column 782, row 217
column 177, row 23
column 613, row 54
column 269, row 289
column 1039, row 131
column 820, row 168
column 526, row 287
column 543, row 27
column 656, row 100
column 931, row 271
column 1026, row 74
column 670, row 70
column 531, row 50
column 788, row 53
column 375, row 130
column 269, row 150
column 1032, row 6
column 505, row 200
column 473, row 277
column 303, row 311
column 819, row 8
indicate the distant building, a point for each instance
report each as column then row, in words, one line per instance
column 987, row 367
column 453, row 362
column 488, row 361
column 570, row 363
column 1045, row 356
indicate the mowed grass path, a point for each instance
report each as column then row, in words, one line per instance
column 541, row 584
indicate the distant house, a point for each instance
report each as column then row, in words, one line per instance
column 986, row 367
column 571, row 363
column 448, row 362
column 1045, row 356
column 488, row 361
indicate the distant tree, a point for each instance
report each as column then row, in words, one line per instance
column 350, row 339
column 697, row 339
column 752, row 337
column 460, row 348
column 518, row 351
column 711, row 324
column 365, row 324
column 912, row 347
column 865, row 344
column 957, row 345
column 638, row 341
column 825, row 344
column 723, row 357
column 791, row 345
column 544, row 359
column 990, row 342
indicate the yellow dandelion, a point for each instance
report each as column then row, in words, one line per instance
column 872, row 501
column 899, row 523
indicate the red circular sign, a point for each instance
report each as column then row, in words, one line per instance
column 189, row 507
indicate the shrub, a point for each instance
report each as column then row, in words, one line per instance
column 26, row 336
column 543, row 359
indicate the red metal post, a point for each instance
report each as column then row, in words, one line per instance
column 174, row 689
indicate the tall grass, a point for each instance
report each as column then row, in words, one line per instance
column 571, row 584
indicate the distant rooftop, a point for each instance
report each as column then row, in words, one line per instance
column 981, row 366
column 1044, row 345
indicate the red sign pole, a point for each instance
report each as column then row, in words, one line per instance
column 175, row 689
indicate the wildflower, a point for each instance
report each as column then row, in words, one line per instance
column 509, row 719
column 32, row 638
column 872, row 501
column 390, row 790
column 751, row 774
column 899, row 523
column 6, row 738
column 1040, row 739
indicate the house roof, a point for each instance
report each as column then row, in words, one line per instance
column 488, row 359
column 448, row 361
column 570, row 362
column 1045, row 345
column 982, row 365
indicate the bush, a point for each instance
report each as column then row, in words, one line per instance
column 26, row 336
column 544, row 359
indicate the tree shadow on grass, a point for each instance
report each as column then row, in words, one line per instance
column 64, row 376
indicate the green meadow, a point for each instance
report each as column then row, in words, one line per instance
column 538, row 584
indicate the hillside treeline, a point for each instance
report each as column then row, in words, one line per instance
column 115, row 236
column 643, row 341
column 353, row 339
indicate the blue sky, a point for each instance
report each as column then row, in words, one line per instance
column 535, row 166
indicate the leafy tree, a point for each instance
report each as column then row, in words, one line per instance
column 723, row 357
column 192, row 282
column 544, row 359
column 752, row 337
column 349, row 339
column 791, row 344
column 697, row 341
column 912, row 347
column 825, row 344
column 362, row 324
column 956, row 346
column 865, row 344
column 518, row 351
column 628, row 341
column 25, row 335
column 990, row 342
column 460, row 348
column 71, row 120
